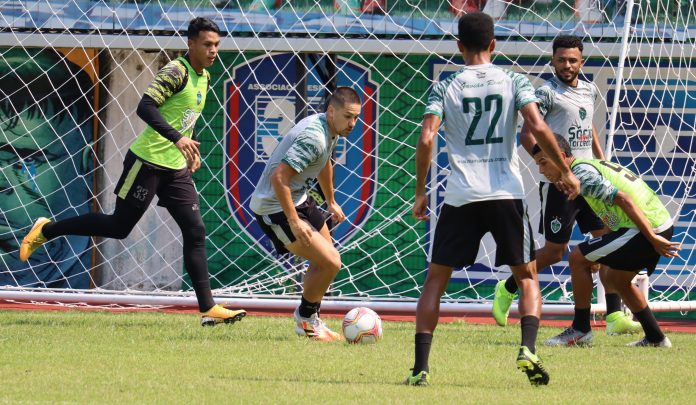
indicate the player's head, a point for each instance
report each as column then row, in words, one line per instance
column 546, row 167
column 476, row 33
column 567, row 58
column 343, row 110
column 203, row 41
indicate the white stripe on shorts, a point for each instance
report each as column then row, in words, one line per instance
column 527, row 236
column 280, row 234
column 612, row 246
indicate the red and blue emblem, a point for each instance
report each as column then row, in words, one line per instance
column 260, row 101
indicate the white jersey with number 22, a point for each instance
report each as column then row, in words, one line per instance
column 479, row 105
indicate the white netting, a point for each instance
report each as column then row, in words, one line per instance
column 72, row 73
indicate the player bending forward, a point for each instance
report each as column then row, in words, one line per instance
column 290, row 217
column 640, row 231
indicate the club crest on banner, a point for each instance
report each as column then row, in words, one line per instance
column 260, row 99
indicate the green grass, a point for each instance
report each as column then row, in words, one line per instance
column 99, row 357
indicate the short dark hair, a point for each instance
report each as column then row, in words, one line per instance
column 567, row 41
column 476, row 31
column 344, row 95
column 201, row 24
column 563, row 145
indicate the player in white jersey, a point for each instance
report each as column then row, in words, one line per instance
column 291, row 219
column 567, row 105
column 484, row 193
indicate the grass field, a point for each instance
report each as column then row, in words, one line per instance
column 108, row 358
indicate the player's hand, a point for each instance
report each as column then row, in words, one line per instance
column 194, row 164
column 594, row 267
column 420, row 208
column 336, row 212
column 664, row 247
column 188, row 148
column 302, row 231
column 569, row 185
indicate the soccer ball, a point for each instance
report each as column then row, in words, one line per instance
column 362, row 325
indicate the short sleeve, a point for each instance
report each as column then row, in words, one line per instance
column 593, row 184
column 306, row 148
column 168, row 81
column 435, row 104
column 545, row 96
column 524, row 91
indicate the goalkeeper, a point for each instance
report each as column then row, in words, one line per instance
column 641, row 229
column 160, row 162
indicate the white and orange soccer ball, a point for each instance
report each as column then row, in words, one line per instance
column 362, row 325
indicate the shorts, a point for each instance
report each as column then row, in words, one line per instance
column 558, row 215
column 277, row 228
column 625, row 249
column 141, row 181
column 459, row 231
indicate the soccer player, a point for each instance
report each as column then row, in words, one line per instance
column 567, row 105
column 291, row 219
column 641, row 229
column 160, row 162
column 484, row 192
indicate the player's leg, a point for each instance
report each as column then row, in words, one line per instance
column 457, row 235
column 325, row 262
column 512, row 232
column 556, row 224
column 637, row 303
column 618, row 322
column 178, row 195
column 631, row 252
column 135, row 190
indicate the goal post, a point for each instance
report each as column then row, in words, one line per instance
column 62, row 157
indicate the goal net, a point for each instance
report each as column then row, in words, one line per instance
column 72, row 73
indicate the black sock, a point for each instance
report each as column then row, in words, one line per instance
column 308, row 309
column 652, row 330
column 530, row 327
column 613, row 303
column 581, row 321
column 511, row 285
column 423, row 343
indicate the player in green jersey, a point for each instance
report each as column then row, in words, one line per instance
column 641, row 229
column 160, row 162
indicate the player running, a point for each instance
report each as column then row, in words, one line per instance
column 160, row 162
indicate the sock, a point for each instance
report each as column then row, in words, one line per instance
column 581, row 321
column 423, row 343
column 307, row 308
column 613, row 303
column 650, row 326
column 511, row 285
column 530, row 327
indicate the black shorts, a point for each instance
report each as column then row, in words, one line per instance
column 276, row 226
column 141, row 181
column 459, row 231
column 558, row 215
column 624, row 249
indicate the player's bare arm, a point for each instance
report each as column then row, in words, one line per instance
column 325, row 179
column 424, row 153
column 567, row 182
column 280, row 179
column 527, row 139
column 662, row 246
